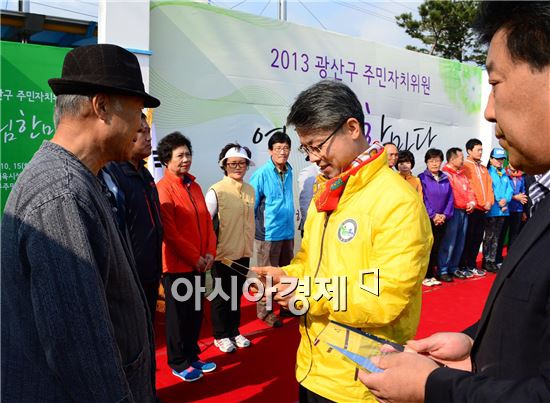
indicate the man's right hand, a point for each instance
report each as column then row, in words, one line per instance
column 452, row 349
column 264, row 271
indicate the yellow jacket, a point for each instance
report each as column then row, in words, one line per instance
column 380, row 223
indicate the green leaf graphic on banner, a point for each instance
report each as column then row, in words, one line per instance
column 462, row 84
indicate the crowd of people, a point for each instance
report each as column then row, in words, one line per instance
column 468, row 203
column 87, row 238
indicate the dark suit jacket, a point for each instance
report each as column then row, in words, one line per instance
column 140, row 208
column 511, row 351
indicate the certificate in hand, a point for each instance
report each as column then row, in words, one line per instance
column 356, row 345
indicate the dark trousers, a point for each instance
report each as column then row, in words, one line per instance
column 493, row 233
column 438, row 232
column 452, row 244
column 501, row 239
column 307, row 396
column 474, row 237
column 183, row 321
column 151, row 291
column 272, row 253
column 513, row 224
column 226, row 309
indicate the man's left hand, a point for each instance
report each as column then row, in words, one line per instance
column 284, row 294
column 404, row 377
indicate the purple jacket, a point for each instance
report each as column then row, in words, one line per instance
column 438, row 195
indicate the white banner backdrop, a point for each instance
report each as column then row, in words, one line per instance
column 224, row 76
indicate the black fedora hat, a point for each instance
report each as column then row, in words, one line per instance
column 88, row 70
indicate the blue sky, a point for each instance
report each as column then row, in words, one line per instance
column 372, row 20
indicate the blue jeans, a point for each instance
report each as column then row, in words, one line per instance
column 453, row 242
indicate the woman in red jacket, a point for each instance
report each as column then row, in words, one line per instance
column 188, row 251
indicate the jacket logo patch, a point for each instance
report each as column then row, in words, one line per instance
column 347, row 230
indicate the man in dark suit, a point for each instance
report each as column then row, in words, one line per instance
column 504, row 357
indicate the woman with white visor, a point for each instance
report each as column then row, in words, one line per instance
column 231, row 205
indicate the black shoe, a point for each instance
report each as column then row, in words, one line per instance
column 490, row 267
column 446, row 278
column 272, row 320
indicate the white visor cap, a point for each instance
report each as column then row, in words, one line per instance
column 236, row 152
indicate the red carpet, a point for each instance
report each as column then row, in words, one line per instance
column 264, row 372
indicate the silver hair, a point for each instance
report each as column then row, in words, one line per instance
column 71, row 105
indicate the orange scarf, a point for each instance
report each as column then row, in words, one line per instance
column 517, row 173
column 327, row 192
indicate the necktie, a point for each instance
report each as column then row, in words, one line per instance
column 537, row 192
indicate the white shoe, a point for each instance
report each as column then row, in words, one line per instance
column 241, row 341
column 479, row 273
column 225, row 345
column 428, row 282
column 435, row 281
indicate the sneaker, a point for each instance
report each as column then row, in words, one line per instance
column 446, row 278
column 241, row 341
column 459, row 274
column 189, row 375
column 204, row 366
column 225, row 345
column 478, row 272
column 430, row 282
column 467, row 272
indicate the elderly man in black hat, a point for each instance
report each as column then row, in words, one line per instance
column 75, row 325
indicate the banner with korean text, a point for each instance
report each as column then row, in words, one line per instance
column 27, row 105
column 224, row 76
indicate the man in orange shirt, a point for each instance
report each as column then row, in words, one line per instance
column 452, row 245
column 482, row 185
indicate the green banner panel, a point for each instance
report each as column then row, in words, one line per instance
column 26, row 105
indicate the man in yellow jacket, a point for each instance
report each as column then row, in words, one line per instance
column 364, row 222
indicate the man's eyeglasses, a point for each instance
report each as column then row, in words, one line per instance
column 284, row 149
column 319, row 147
column 234, row 165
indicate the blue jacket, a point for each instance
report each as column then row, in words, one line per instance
column 274, row 204
column 502, row 189
column 518, row 186
column 438, row 195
